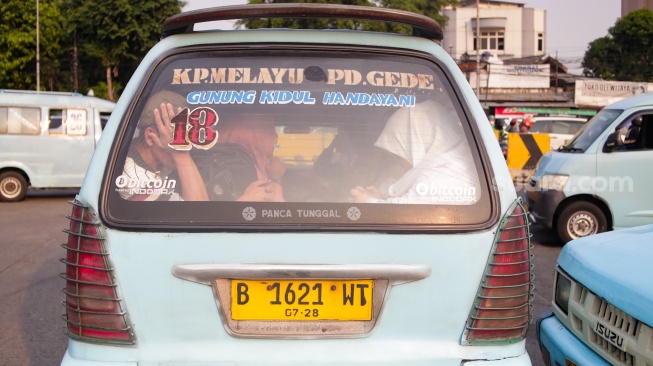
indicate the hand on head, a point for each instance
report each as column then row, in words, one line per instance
column 162, row 119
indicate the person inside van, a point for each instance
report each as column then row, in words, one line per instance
column 633, row 131
column 434, row 154
column 152, row 166
column 241, row 166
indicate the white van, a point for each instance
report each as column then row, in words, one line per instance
column 47, row 139
column 561, row 129
column 600, row 180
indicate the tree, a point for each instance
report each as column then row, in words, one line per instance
column 429, row 8
column 18, row 43
column 116, row 33
column 626, row 53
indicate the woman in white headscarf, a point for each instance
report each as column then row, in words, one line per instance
column 429, row 137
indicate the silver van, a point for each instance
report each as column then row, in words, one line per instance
column 47, row 139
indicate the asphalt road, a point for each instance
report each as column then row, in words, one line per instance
column 30, row 287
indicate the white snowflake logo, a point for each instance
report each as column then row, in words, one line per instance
column 249, row 213
column 354, row 213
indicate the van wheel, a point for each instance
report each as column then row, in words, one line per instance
column 580, row 219
column 13, row 187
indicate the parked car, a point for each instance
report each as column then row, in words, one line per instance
column 288, row 196
column 47, row 139
column 560, row 128
column 598, row 181
column 602, row 302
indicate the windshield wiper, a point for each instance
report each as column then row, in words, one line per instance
column 569, row 148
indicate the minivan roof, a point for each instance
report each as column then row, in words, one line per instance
column 423, row 26
column 634, row 101
column 59, row 99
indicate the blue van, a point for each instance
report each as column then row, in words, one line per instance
column 47, row 139
column 601, row 179
column 602, row 299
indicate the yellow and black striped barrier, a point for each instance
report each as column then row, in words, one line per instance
column 524, row 152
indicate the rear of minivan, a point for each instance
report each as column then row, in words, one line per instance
column 289, row 196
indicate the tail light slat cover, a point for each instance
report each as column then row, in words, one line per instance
column 94, row 311
column 502, row 309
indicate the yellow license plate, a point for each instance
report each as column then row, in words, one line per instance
column 301, row 300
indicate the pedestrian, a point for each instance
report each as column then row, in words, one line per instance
column 525, row 126
column 514, row 125
column 502, row 135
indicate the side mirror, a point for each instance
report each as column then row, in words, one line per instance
column 613, row 142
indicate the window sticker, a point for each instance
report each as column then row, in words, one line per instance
column 250, row 214
column 75, row 122
column 297, row 76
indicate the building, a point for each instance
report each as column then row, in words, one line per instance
column 507, row 30
column 631, row 5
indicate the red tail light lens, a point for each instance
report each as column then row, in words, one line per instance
column 502, row 309
column 93, row 309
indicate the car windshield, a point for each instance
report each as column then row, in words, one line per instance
column 299, row 139
column 591, row 130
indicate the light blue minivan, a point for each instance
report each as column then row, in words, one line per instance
column 298, row 197
column 47, row 139
column 601, row 180
column 602, row 302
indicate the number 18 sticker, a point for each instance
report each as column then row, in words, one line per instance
column 194, row 129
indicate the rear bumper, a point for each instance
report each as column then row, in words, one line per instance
column 69, row 360
column 558, row 344
column 521, row 360
column 543, row 204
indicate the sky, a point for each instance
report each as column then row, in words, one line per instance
column 571, row 24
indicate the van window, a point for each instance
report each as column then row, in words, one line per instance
column 592, row 130
column 67, row 121
column 636, row 133
column 540, row 127
column 20, row 121
column 373, row 141
column 564, row 127
column 104, row 118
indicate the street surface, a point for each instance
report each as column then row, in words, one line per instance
column 30, row 287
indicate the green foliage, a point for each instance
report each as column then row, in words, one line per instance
column 430, row 8
column 18, row 43
column 115, row 33
column 626, row 53
column 83, row 40
column 92, row 44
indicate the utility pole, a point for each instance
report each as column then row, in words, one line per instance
column 38, row 61
column 478, row 50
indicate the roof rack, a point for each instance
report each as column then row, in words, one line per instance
column 13, row 91
column 423, row 26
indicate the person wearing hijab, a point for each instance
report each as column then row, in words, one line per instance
column 430, row 142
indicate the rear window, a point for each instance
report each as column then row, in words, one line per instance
column 297, row 140
column 540, row 127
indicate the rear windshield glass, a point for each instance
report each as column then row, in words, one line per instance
column 298, row 139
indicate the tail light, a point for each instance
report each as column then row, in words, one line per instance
column 94, row 312
column 502, row 309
